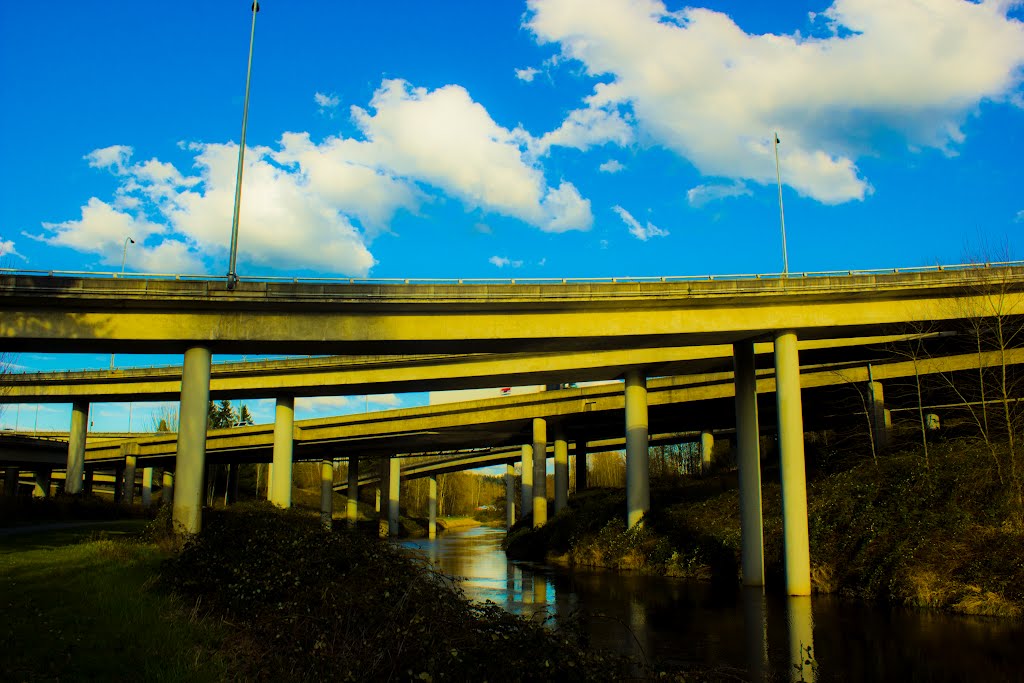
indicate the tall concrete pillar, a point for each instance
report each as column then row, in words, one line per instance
column 394, row 490
column 147, row 486
column 748, row 462
column 791, row 451
column 707, row 447
column 879, row 424
column 383, row 487
column 326, row 493
column 432, row 507
column 118, row 485
column 561, row 471
column 540, row 472
column 129, row 479
column 167, row 483
column 11, row 481
column 231, row 488
column 581, row 466
column 510, row 495
column 270, row 481
column 88, row 481
column 352, row 507
column 190, row 461
column 526, row 487
column 638, row 492
column 76, row 447
column 284, row 433
column 42, row 482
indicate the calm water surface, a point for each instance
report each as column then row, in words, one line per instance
column 673, row 620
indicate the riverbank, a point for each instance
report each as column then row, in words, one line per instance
column 943, row 535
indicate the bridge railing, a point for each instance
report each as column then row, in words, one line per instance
column 513, row 281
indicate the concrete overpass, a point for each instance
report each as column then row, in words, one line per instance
column 202, row 317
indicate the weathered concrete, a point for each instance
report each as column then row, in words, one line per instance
column 581, row 466
column 707, row 449
column 510, row 495
column 167, row 495
column 876, row 408
column 130, row 462
column 284, row 435
column 540, row 472
column 76, row 447
column 147, row 486
column 190, row 461
column 231, row 489
column 791, row 451
column 352, row 506
column 270, row 479
column 638, row 493
column 748, row 461
column 394, row 491
column 41, row 488
column 526, row 486
column 118, row 484
column 561, row 470
column 382, row 493
column 432, row 508
column 88, row 480
column 326, row 493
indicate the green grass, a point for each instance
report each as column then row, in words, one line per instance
column 81, row 609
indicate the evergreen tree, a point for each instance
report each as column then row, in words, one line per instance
column 245, row 417
column 220, row 416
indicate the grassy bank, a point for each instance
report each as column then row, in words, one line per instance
column 946, row 535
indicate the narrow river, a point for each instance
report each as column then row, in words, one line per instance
column 674, row 620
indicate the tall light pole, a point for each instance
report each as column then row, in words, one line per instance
column 782, row 213
column 124, row 258
column 232, row 275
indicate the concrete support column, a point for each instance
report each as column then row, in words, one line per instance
column 326, row 493
column 270, row 481
column 879, row 423
column 638, row 492
column 394, row 490
column 231, row 486
column 129, row 479
column 748, row 462
column 510, row 495
column 167, row 497
column 791, row 452
column 707, row 447
column 76, row 447
column 432, row 507
column 526, row 487
column 540, row 472
column 118, row 485
column 382, row 492
column 88, row 481
column 11, row 481
column 561, row 471
column 42, row 482
column 581, row 466
column 147, row 486
column 352, row 507
column 190, row 461
column 284, row 433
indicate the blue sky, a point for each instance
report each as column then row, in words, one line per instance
column 550, row 138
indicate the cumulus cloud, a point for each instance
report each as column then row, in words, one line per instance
column 527, row 74
column 700, row 85
column 322, row 403
column 326, row 101
column 611, row 166
column 641, row 232
column 389, row 400
column 711, row 192
column 7, row 249
column 502, row 261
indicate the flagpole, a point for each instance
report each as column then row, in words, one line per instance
column 232, row 275
column 782, row 213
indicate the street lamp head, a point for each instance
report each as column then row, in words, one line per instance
column 131, row 240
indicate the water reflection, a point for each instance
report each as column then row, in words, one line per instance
column 743, row 633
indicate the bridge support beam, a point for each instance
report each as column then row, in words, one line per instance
column 540, row 472
column 11, row 475
column 147, row 486
column 76, row 447
column 791, row 451
column 167, row 483
column 42, row 482
column 581, row 466
column 90, row 475
column 748, row 461
column 326, row 493
column 284, row 434
column 432, row 507
column 129, row 479
column 526, row 488
column 510, row 495
column 231, row 486
column 352, row 506
column 561, row 471
column 190, row 461
column 880, row 422
column 382, row 492
column 707, row 447
column 394, row 491
column 118, row 484
column 638, row 492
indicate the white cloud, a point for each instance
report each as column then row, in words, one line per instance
column 7, row 249
column 703, row 87
column 527, row 74
column 1020, row 216
column 641, row 232
column 323, row 403
column 390, row 400
column 611, row 166
column 115, row 155
column 326, row 101
column 501, row 262
column 711, row 192
column 599, row 123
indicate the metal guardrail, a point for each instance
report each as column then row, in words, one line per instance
column 513, row 281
